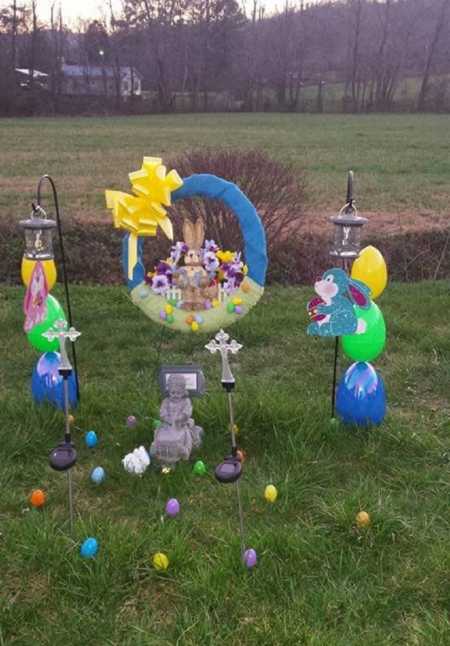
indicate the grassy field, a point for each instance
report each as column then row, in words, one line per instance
column 402, row 161
column 320, row 581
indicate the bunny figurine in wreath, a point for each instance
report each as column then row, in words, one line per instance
column 332, row 310
column 193, row 279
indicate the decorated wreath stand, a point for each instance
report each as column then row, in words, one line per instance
column 344, row 308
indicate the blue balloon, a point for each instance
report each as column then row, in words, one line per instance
column 91, row 439
column 361, row 397
column 98, row 475
column 47, row 383
column 89, row 548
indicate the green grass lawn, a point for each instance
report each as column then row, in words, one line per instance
column 319, row 580
column 402, row 162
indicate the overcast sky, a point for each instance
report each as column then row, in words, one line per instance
column 86, row 9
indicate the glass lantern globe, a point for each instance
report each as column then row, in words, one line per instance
column 38, row 231
column 347, row 233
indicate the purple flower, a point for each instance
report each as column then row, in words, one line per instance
column 163, row 268
column 210, row 261
column 210, row 245
column 160, row 284
column 177, row 251
column 229, row 285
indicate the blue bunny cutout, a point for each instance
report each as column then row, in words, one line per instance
column 333, row 310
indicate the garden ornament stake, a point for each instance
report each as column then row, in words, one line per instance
column 230, row 470
column 64, row 456
column 38, row 230
column 346, row 247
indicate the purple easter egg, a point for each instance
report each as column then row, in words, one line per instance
column 207, row 304
column 238, row 309
column 250, row 558
column 162, row 315
column 131, row 421
column 172, row 507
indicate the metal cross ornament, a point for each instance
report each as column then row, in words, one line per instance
column 222, row 344
column 60, row 332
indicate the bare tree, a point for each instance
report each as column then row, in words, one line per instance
column 432, row 47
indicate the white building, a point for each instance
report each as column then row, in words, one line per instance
column 100, row 80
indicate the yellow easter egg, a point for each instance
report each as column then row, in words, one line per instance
column 370, row 268
column 168, row 309
column 194, row 326
column 237, row 301
column 270, row 493
column 160, row 561
column 362, row 519
column 215, row 302
column 48, row 266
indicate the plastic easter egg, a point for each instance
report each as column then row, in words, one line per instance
column 47, row 385
column 370, row 268
column 48, row 266
column 361, row 397
column 199, row 468
column 91, row 439
column 172, row 507
column 370, row 344
column 162, row 315
column 230, row 308
column 199, row 318
column 194, row 326
column 89, row 548
column 37, row 498
column 250, row 558
column 169, row 308
column 170, row 319
column 238, row 309
column 98, row 475
column 160, row 561
column 362, row 519
column 54, row 313
column 131, row 421
column 270, row 493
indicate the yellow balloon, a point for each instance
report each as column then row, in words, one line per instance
column 49, row 271
column 370, row 268
column 270, row 493
column 160, row 561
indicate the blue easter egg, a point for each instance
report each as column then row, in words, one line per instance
column 98, row 475
column 91, row 439
column 47, row 383
column 361, row 397
column 199, row 318
column 89, row 548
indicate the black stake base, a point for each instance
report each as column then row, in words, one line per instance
column 63, row 457
column 229, row 470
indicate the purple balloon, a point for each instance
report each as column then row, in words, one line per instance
column 47, row 383
column 172, row 507
column 250, row 558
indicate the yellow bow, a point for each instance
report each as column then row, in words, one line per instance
column 142, row 213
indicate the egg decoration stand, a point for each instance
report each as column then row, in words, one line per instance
column 41, row 309
column 230, row 470
column 344, row 308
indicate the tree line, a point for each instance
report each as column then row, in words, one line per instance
column 203, row 55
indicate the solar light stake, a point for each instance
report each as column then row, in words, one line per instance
column 230, row 470
column 64, row 456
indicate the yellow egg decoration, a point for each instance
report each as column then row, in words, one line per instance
column 270, row 493
column 362, row 519
column 370, row 268
column 160, row 561
column 48, row 266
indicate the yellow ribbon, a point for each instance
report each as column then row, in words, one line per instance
column 141, row 214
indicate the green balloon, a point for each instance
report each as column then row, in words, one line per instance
column 368, row 345
column 54, row 313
